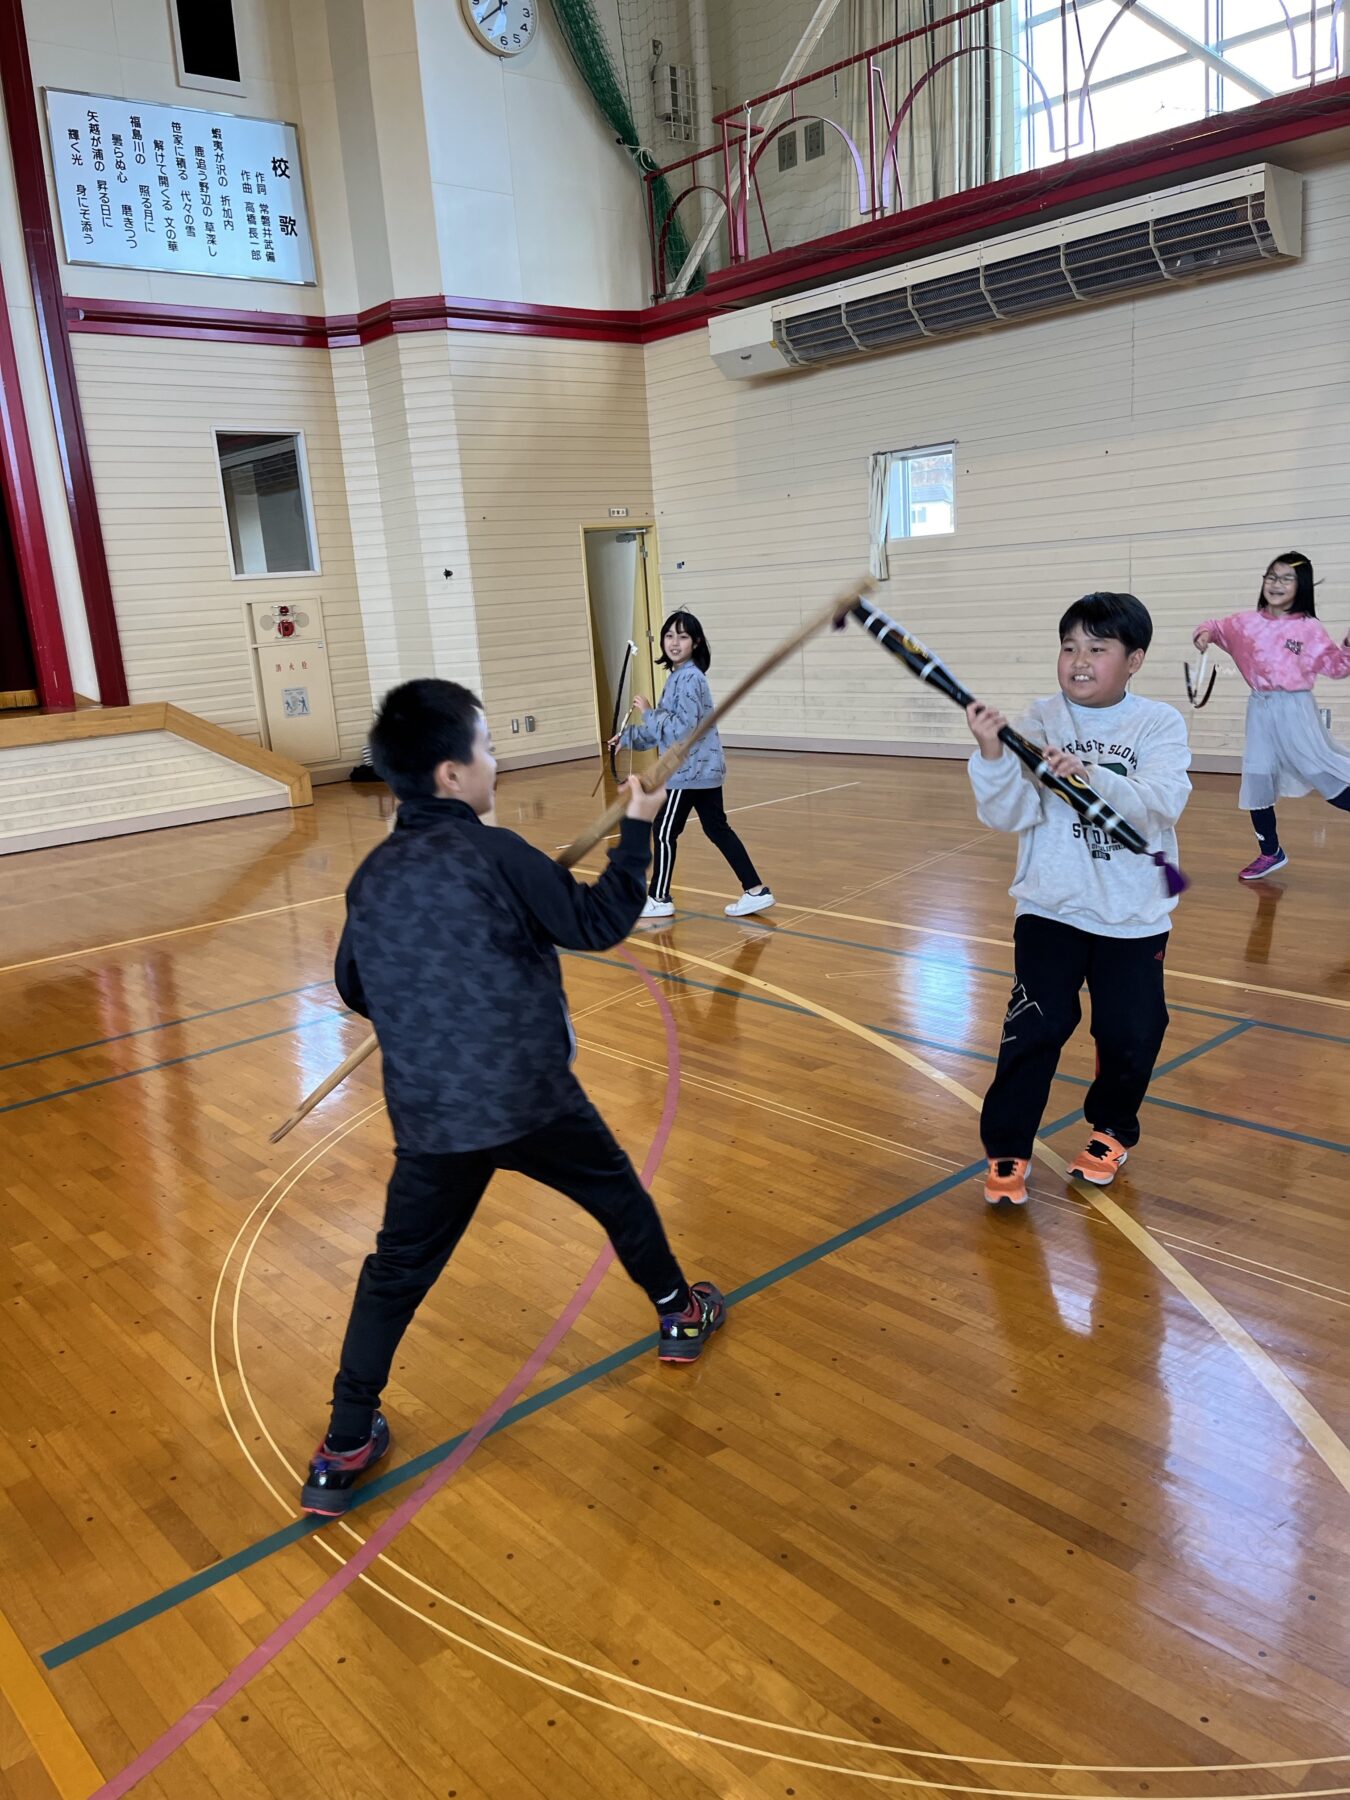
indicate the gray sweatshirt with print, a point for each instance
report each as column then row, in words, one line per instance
column 1136, row 754
column 686, row 699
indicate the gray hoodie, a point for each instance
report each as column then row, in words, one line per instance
column 686, row 699
column 1136, row 755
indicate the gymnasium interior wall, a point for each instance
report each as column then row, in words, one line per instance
column 1168, row 446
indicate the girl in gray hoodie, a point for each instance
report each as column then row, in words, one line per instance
column 697, row 785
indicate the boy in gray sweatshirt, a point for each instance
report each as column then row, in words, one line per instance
column 1088, row 911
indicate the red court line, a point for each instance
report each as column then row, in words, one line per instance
column 379, row 1540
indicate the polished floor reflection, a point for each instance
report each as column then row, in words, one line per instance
column 958, row 1501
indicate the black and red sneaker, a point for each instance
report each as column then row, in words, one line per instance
column 684, row 1334
column 332, row 1473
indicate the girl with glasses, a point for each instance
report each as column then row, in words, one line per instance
column 1280, row 649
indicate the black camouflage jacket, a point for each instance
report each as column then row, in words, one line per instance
column 448, row 950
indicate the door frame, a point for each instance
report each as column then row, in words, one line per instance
column 652, row 582
column 22, row 501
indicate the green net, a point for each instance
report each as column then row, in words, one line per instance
column 591, row 52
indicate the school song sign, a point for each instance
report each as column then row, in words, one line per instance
column 145, row 186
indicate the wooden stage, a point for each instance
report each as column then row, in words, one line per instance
column 1053, row 1503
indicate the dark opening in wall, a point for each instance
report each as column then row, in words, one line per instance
column 206, row 39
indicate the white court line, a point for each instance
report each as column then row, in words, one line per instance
column 806, row 794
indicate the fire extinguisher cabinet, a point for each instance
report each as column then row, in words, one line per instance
column 293, row 679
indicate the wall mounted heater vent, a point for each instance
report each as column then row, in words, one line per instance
column 1211, row 227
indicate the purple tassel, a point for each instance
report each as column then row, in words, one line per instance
column 1173, row 879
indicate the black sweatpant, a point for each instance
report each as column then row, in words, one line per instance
column 430, row 1202
column 1124, row 979
column 1267, row 832
column 671, row 821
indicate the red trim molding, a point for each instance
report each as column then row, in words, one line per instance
column 44, row 270
column 311, row 331
column 23, row 508
column 1227, row 141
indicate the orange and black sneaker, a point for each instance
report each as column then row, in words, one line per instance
column 1101, row 1161
column 1006, row 1179
column 684, row 1334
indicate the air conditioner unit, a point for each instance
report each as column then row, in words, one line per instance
column 1207, row 227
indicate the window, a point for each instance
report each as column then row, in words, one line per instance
column 208, row 51
column 267, row 503
column 921, row 500
column 1118, row 74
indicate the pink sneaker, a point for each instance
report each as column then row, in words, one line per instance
column 1263, row 866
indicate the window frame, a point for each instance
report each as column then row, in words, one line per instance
column 306, row 496
column 205, row 84
column 901, row 459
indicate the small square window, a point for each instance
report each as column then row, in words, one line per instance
column 813, row 140
column 787, row 151
column 267, row 503
column 922, row 499
column 207, row 46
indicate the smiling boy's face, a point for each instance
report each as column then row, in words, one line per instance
column 1095, row 671
column 473, row 782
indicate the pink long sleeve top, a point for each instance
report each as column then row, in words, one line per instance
column 1278, row 655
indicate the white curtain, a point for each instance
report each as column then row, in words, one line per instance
column 878, row 508
column 961, row 130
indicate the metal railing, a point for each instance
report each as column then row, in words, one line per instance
column 990, row 90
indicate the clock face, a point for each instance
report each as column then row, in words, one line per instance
column 506, row 27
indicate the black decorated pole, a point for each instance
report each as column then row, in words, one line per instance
column 1079, row 794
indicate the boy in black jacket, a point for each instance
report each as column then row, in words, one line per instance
column 449, row 950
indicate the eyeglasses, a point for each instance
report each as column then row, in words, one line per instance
column 1282, row 580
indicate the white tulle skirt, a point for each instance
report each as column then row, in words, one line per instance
column 1288, row 752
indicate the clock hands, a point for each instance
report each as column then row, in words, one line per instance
column 488, row 17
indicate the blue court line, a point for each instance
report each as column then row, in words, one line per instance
column 257, row 1552
column 954, row 962
column 172, row 1062
column 205, row 1579
column 119, row 1037
column 757, row 1000
column 1237, row 1030
column 1224, row 1037
column 1276, row 1131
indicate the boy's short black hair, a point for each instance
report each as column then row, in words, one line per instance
column 1110, row 616
column 421, row 725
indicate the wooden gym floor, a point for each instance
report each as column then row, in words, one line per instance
column 958, row 1500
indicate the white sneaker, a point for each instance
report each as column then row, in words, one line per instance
column 657, row 909
column 749, row 903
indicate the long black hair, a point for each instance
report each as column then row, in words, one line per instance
column 1305, row 606
column 686, row 622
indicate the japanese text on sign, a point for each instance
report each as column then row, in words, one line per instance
column 145, row 186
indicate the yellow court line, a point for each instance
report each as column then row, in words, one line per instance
column 778, row 1728
column 59, row 1746
column 852, row 1132
column 152, row 937
column 1260, row 1365
column 1221, row 1259
column 970, row 937
column 1233, row 1258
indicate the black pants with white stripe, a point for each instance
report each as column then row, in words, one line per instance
column 712, row 816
